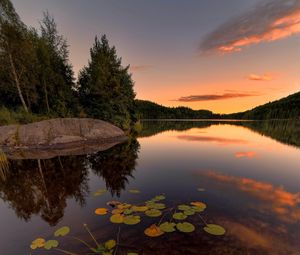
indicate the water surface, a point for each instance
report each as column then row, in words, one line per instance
column 248, row 174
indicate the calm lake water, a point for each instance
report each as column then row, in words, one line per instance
column 247, row 173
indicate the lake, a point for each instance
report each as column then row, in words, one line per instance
column 246, row 173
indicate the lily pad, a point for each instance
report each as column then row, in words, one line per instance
column 153, row 213
column 117, row 211
column 117, row 218
column 134, row 191
column 179, row 216
column 185, row 227
column 139, row 208
column 99, row 192
column 132, row 253
column 159, row 198
column 132, row 220
column 101, row 211
column 199, row 204
column 153, row 231
column 51, row 244
column 124, row 206
column 189, row 212
column 110, row 244
column 127, row 211
column 197, row 209
column 157, row 206
column 214, row 229
column 62, row 231
column 167, row 227
column 37, row 243
column 184, row 207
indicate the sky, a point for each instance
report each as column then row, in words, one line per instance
column 224, row 56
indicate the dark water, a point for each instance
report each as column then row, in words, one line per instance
column 249, row 172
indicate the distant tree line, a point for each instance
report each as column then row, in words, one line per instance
column 149, row 110
column 37, row 77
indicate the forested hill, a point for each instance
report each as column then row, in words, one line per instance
column 285, row 108
column 149, row 110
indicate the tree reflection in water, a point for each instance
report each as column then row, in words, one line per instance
column 42, row 187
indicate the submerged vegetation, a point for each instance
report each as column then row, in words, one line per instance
column 166, row 220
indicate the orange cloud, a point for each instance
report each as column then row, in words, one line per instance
column 276, row 199
column 247, row 154
column 264, row 77
column 269, row 21
column 210, row 97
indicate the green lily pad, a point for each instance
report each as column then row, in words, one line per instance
column 134, row 191
column 127, row 212
column 185, row 227
column 139, row 208
column 159, row 198
column 200, row 205
column 157, row 206
column 110, row 244
column 189, row 212
column 197, row 209
column 153, row 213
column 132, row 220
column 117, row 218
column 37, row 243
column 132, row 253
column 167, row 227
column 62, row 231
column 179, row 216
column 184, row 207
column 51, row 244
column 99, row 192
column 214, row 229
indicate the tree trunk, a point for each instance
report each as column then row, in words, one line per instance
column 46, row 96
column 15, row 76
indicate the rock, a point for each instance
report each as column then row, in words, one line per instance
column 59, row 133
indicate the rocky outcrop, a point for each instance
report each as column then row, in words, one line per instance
column 59, row 133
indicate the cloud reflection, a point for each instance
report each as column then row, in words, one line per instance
column 219, row 140
column 246, row 154
column 282, row 203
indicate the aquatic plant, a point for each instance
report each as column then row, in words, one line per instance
column 166, row 220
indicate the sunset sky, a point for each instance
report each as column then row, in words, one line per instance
column 221, row 55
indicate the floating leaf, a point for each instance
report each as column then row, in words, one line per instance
column 201, row 189
column 199, row 204
column 101, row 211
column 197, row 209
column 117, row 218
column 62, row 231
column 132, row 220
column 153, row 231
column 51, row 244
column 132, row 253
column 139, row 208
column 184, row 207
column 189, row 212
column 185, row 227
column 157, row 206
column 167, row 227
column 179, row 216
column 117, row 211
column 127, row 211
column 134, row 191
column 214, row 229
column 153, row 213
column 124, row 206
column 37, row 243
column 110, row 244
column 159, row 198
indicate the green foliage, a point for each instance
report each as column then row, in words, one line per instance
column 150, row 110
column 105, row 87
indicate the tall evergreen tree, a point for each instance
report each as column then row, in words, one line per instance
column 105, row 87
